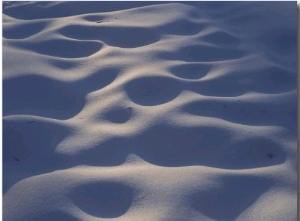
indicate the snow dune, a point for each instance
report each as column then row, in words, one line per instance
column 152, row 111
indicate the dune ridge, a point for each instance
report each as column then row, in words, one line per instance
column 149, row 111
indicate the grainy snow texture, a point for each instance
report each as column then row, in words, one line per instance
column 149, row 111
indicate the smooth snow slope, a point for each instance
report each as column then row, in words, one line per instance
column 153, row 111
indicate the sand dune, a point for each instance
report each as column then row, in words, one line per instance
column 152, row 111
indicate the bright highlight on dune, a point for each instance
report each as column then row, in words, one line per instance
column 149, row 111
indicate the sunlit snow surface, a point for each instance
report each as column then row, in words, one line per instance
column 153, row 111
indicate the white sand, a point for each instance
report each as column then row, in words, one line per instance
column 149, row 111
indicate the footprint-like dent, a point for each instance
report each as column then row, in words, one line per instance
column 40, row 96
column 268, row 80
column 65, row 48
column 218, row 87
column 194, row 53
column 281, row 76
column 228, row 197
column 190, row 71
column 63, row 64
column 93, row 18
column 14, row 148
column 245, row 20
column 29, row 145
column 257, row 151
column 183, row 146
column 23, row 138
column 182, row 27
column 242, row 112
column 119, row 115
column 151, row 91
column 22, row 31
column 281, row 40
column 272, row 80
column 206, row 146
column 221, row 38
column 124, row 37
column 105, row 199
